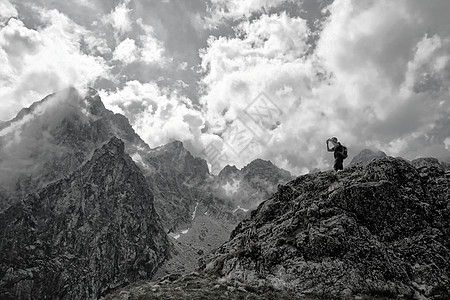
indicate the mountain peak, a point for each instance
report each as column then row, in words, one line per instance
column 115, row 146
column 228, row 171
column 366, row 155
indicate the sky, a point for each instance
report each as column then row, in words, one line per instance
column 239, row 80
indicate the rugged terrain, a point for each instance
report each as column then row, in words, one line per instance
column 376, row 229
column 83, row 235
column 51, row 144
column 87, row 207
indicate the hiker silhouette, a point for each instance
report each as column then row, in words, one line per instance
column 340, row 153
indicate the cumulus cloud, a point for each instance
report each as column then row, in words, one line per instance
column 152, row 50
column 273, row 85
column 222, row 10
column 388, row 69
column 126, row 52
column 267, row 55
column 158, row 116
column 119, row 18
column 38, row 62
column 148, row 49
column 7, row 11
column 375, row 78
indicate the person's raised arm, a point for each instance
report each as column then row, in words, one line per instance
column 328, row 147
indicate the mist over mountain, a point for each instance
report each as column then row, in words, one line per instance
column 253, row 183
column 53, row 137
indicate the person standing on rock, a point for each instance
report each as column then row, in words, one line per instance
column 340, row 153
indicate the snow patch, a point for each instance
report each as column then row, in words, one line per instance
column 175, row 236
column 231, row 189
column 241, row 208
column 137, row 158
column 195, row 211
column 178, row 234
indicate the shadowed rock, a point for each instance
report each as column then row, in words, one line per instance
column 83, row 235
column 377, row 229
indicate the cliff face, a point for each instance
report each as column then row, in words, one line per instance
column 376, row 229
column 83, row 235
column 178, row 180
column 53, row 137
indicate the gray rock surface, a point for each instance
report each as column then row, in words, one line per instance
column 248, row 187
column 366, row 156
column 83, row 235
column 380, row 229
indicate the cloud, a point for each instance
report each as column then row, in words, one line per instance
column 158, row 116
column 119, row 18
column 152, row 50
column 447, row 143
column 126, row 52
column 375, row 77
column 7, row 11
column 222, row 10
column 388, row 69
column 38, row 62
column 373, row 73
column 268, row 55
column 28, row 144
column 149, row 51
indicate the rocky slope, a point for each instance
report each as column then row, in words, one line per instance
column 83, row 235
column 178, row 180
column 221, row 203
column 366, row 156
column 381, row 229
column 53, row 137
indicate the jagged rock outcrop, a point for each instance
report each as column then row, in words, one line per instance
column 83, row 235
column 366, row 156
column 252, row 184
column 380, row 229
column 178, row 180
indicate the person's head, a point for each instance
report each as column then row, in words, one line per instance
column 334, row 141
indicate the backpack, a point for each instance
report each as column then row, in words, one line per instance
column 344, row 152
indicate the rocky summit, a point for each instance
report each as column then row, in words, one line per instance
column 83, row 235
column 380, row 229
